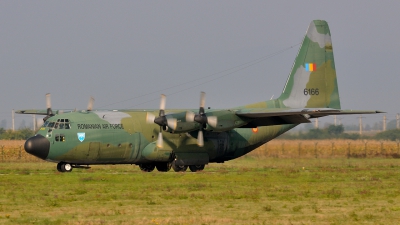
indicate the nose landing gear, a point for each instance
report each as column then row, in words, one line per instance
column 64, row 167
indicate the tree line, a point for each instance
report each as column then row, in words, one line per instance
column 337, row 132
column 20, row 134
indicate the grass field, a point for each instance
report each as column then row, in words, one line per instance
column 249, row 190
column 283, row 182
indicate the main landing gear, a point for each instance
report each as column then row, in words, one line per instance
column 195, row 168
column 162, row 167
column 166, row 166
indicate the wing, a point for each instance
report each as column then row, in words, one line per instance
column 268, row 117
column 43, row 112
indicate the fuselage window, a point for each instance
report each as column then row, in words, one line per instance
column 60, row 137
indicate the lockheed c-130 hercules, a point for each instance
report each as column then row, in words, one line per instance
column 182, row 138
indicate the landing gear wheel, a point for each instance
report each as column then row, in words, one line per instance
column 177, row 168
column 147, row 167
column 64, row 167
column 163, row 167
column 195, row 168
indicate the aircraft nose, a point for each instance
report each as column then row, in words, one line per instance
column 38, row 146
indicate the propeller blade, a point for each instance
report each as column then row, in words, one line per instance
column 160, row 140
column 90, row 104
column 172, row 123
column 200, row 139
column 162, row 102
column 48, row 101
column 48, row 105
column 39, row 123
column 150, row 118
column 212, row 120
column 190, row 116
column 202, row 100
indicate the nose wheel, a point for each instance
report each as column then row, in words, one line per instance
column 64, row 167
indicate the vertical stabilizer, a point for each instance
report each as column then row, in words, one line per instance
column 312, row 82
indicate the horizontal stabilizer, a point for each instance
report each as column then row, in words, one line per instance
column 265, row 112
column 269, row 117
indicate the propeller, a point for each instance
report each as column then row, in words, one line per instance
column 90, row 104
column 201, row 118
column 161, row 120
column 48, row 106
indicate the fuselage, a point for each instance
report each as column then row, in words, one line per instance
column 124, row 137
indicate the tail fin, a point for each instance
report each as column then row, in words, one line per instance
column 312, row 82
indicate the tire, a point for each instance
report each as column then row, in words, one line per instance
column 64, row 167
column 177, row 168
column 195, row 168
column 147, row 167
column 163, row 167
column 59, row 167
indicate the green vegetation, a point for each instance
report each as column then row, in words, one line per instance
column 337, row 132
column 389, row 135
column 21, row 134
column 249, row 190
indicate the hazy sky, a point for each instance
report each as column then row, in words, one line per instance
column 119, row 51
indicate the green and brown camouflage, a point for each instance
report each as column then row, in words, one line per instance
column 193, row 138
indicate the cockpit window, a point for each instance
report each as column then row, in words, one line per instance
column 46, row 123
column 50, row 124
column 62, row 124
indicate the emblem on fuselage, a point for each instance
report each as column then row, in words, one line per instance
column 81, row 136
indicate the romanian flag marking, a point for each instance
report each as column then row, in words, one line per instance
column 310, row 67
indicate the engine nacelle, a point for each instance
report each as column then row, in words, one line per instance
column 183, row 127
column 225, row 125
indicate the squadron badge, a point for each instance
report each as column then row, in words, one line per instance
column 81, row 136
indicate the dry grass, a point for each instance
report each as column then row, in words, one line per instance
column 13, row 151
column 328, row 149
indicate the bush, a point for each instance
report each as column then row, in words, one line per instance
column 389, row 135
